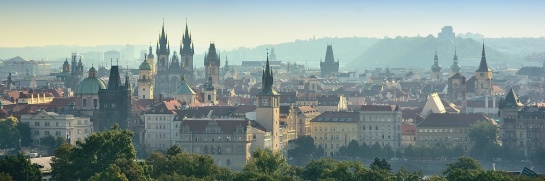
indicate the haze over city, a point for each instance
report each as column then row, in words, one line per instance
column 238, row 23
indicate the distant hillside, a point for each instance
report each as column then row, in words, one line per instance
column 419, row 52
column 300, row 51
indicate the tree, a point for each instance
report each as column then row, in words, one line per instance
column 20, row 168
column 10, row 134
column 388, row 151
column 174, row 150
column 364, row 150
column 112, row 173
column 464, row 163
column 318, row 152
column 406, row 175
column 376, row 150
column 484, row 134
column 49, row 141
column 94, row 155
column 410, row 151
column 353, row 149
column 343, row 171
column 314, row 168
column 380, row 164
column 24, row 131
column 184, row 164
column 5, row 177
column 266, row 164
column 304, row 147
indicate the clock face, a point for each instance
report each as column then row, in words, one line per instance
column 264, row 102
column 455, row 85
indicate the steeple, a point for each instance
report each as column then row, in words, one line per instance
column 455, row 68
column 273, row 56
column 163, row 46
column 483, row 66
column 226, row 67
column 209, row 85
column 115, row 80
column 150, row 52
column 436, row 67
column 267, row 80
column 329, row 54
column 186, row 46
column 92, row 71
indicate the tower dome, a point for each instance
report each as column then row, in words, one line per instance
column 91, row 84
column 145, row 65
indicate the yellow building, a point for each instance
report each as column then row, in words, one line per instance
column 331, row 130
column 303, row 116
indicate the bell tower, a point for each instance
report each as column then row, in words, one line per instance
column 268, row 107
column 483, row 76
column 145, row 81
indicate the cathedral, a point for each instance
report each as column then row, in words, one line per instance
column 329, row 66
column 168, row 70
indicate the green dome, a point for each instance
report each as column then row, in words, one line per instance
column 90, row 85
column 455, row 68
column 436, row 67
column 145, row 65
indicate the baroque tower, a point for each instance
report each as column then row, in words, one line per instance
column 483, row 76
column 268, row 107
column 212, row 62
column 455, row 68
column 151, row 60
column 186, row 52
column 145, row 81
column 436, row 69
column 209, row 91
column 329, row 66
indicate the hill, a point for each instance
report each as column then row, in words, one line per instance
column 419, row 52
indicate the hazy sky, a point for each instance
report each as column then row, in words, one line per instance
column 233, row 24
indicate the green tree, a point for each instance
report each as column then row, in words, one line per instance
column 483, row 134
column 379, row 164
column 5, row 177
column 364, row 150
column 266, row 164
column 174, row 150
column 319, row 152
column 375, row 174
column 343, row 171
column 24, row 131
column 353, row 149
column 314, row 168
column 184, row 164
column 10, row 134
column 376, row 150
column 49, row 141
column 406, row 175
column 94, row 155
column 463, row 164
column 409, row 151
column 304, row 147
column 112, row 173
column 388, row 151
column 20, row 168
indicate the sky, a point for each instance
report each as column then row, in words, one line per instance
column 237, row 23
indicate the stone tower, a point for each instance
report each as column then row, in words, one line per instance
column 268, row 106
column 212, row 64
column 186, row 53
column 483, row 78
column 329, row 66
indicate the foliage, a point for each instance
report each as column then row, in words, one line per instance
column 19, row 168
column 10, row 134
column 94, row 155
column 375, row 151
column 5, row 177
column 484, row 135
column 406, row 175
column 174, row 150
column 267, row 162
column 344, row 170
column 314, row 169
column 24, row 130
column 304, row 148
column 353, row 149
column 112, row 173
column 463, row 164
column 379, row 164
column 176, row 164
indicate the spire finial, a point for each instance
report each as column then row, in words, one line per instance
column 111, row 61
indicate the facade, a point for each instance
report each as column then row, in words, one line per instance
column 115, row 102
column 162, row 129
column 436, row 69
column 450, row 129
column 456, row 87
column 483, row 78
column 268, row 107
column 69, row 127
column 87, row 93
column 226, row 140
column 380, row 123
column 521, row 127
column 304, row 115
column 331, row 130
column 329, row 66
column 212, row 63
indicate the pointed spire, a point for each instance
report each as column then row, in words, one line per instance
column 483, row 66
column 329, row 57
column 511, row 100
column 267, row 80
column 455, row 68
column 436, row 67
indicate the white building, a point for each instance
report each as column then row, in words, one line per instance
column 380, row 123
column 162, row 129
column 70, row 127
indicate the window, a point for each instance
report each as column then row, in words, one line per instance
column 36, row 133
column 57, row 133
column 95, row 103
column 84, row 103
column 57, row 123
column 36, row 123
column 46, row 123
column 46, row 133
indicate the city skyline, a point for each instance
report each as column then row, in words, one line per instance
column 248, row 24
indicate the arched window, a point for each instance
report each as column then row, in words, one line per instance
column 209, row 97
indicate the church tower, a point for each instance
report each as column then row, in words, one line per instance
column 162, row 51
column 268, row 107
column 66, row 66
column 212, row 62
column 186, row 52
column 329, row 67
column 209, row 91
column 145, row 81
column 79, row 68
column 483, row 78
column 436, row 69
column 455, row 68
column 151, row 60
column 74, row 65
